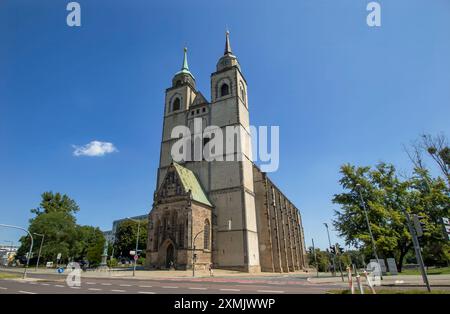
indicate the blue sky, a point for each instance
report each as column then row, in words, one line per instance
column 339, row 90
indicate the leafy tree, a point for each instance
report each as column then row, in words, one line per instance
column 387, row 198
column 322, row 258
column 125, row 239
column 55, row 218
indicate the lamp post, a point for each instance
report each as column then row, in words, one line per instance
column 193, row 252
column 329, row 241
column 40, row 248
column 358, row 188
column 137, row 243
column 31, row 247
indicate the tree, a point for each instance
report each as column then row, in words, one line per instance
column 90, row 244
column 125, row 239
column 55, row 218
column 323, row 259
column 434, row 146
column 387, row 198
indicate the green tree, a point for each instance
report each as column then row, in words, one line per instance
column 125, row 239
column 55, row 218
column 386, row 198
column 322, row 259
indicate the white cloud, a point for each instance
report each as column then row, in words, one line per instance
column 94, row 149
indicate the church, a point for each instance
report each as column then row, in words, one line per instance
column 228, row 213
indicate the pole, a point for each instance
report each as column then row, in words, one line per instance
column 193, row 254
column 136, row 251
column 332, row 255
column 370, row 229
column 31, row 247
column 315, row 258
column 40, row 249
column 417, row 250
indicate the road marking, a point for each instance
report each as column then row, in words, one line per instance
column 95, row 289
column 106, row 284
column 145, row 286
column 146, row 292
column 197, row 288
column 45, row 284
column 60, row 286
column 26, row 292
column 169, row 287
column 230, row 289
column 90, row 283
column 125, row 285
column 270, row 291
column 75, row 287
column 3, row 288
column 32, row 283
column 118, row 290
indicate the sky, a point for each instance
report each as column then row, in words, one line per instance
column 341, row 92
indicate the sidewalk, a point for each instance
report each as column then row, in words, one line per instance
column 397, row 280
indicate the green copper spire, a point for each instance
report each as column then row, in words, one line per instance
column 227, row 44
column 185, row 67
column 185, row 61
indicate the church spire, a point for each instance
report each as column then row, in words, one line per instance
column 227, row 44
column 185, row 67
column 184, row 75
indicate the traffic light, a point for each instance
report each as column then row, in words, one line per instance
column 333, row 249
column 419, row 224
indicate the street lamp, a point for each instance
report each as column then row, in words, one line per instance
column 358, row 188
column 31, row 247
column 137, row 242
column 329, row 241
column 193, row 246
column 40, row 248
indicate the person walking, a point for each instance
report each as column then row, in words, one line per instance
column 211, row 272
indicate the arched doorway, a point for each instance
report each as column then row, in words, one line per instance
column 170, row 255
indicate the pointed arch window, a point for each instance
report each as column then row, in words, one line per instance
column 206, row 237
column 176, row 104
column 224, row 90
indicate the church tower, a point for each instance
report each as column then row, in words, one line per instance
column 231, row 187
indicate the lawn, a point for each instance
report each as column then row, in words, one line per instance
column 430, row 271
column 8, row 275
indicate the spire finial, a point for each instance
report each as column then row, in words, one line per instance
column 185, row 62
column 227, row 43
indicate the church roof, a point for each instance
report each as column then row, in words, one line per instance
column 199, row 99
column 190, row 182
column 185, row 66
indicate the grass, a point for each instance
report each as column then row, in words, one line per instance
column 8, row 275
column 430, row 271
column 394, row 291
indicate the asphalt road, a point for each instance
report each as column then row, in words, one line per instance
column 50, row 284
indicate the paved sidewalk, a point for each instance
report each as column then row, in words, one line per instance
column 398, row 280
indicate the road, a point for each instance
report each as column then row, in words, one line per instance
column 51, row 284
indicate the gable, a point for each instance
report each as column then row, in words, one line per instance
column 179, row 181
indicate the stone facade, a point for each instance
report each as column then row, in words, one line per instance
column 245, row 230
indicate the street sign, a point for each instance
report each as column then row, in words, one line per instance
column 132, row 253
column 136, row 257
column 60, row 270
column 58, row 257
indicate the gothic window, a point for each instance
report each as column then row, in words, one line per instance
column 181, row 236
column 206, row 232
column 176, row 104
column 224, row 90
column 156, row 237
column 242, row 91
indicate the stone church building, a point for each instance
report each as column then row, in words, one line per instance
column 225, row 213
